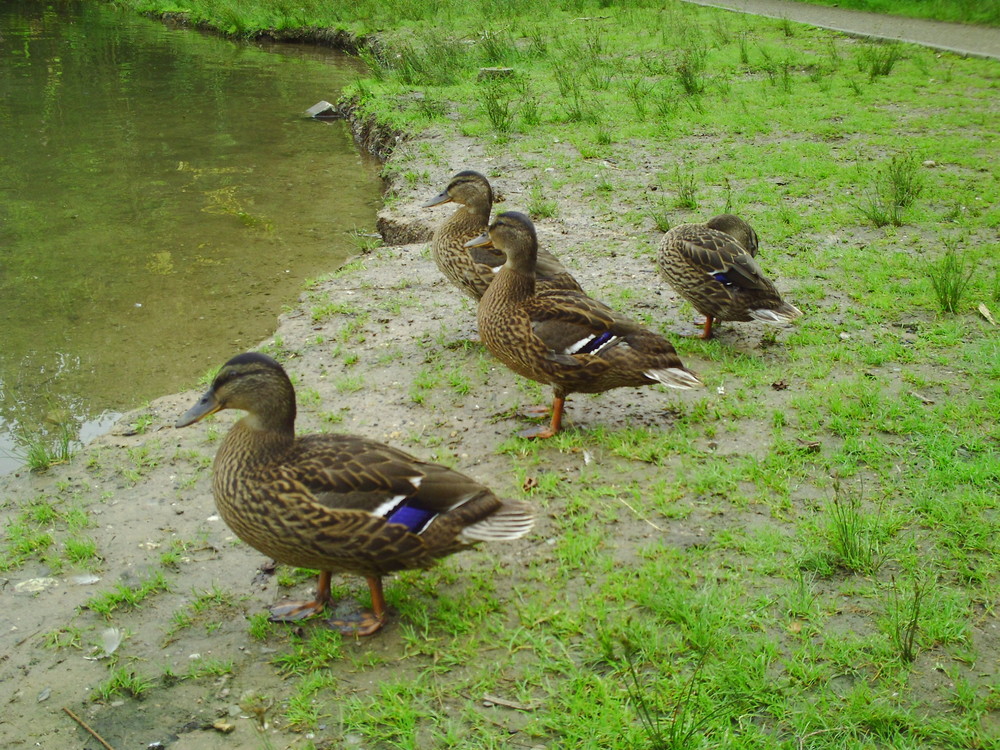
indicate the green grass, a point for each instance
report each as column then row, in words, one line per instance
column 46, row 448
column 122, row 683
column 955, row 11
column 47, row 529
column 125, row 597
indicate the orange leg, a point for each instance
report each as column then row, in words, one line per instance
column 364, row 621
column 539, row 433
column 300, row 610
column 707, row 332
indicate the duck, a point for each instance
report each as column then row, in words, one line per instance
column 712, row 266
column 337, row 503
column 472, row 269
column 563, row 337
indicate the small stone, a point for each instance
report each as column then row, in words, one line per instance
column 34, row 585
column 223, row 726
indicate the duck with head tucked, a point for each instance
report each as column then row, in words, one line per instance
column 337, row 503
column 563, row 337
column 471, row 269
column 712, row 266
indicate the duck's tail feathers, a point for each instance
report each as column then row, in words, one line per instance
column 675, row 377
column 512, row 520
column 785, row 313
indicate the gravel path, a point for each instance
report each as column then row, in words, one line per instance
column 976, row 41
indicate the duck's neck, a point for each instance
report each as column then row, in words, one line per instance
column 512, row 284
column 251, row 442
column 471, row 218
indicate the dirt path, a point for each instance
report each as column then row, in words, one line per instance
column 976, row 41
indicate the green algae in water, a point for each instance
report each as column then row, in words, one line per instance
column 164, row 196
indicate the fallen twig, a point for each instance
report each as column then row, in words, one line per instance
column 84, row 724
column 639, row 515
column 507, row 704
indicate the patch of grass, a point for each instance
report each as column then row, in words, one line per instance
column 65, row 637
column 260, row 626
column 683, row 724
column 314, row 650
column 878, row 59
column 685, row 188
column 903, row 615
column 539, row 205
column 36, row 530
column 122, row 683
column 496, row 100
column 209, row 667
column 895, row 187
column 209, row 608
column 957, row 11
column 81, row 551
column 950, row 276
column 856, row 536
column 123, row 596
column 43, row 450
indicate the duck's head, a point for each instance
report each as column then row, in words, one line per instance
column 468, row 188
column 736, row 228
column 514, row 234
column 254, row 383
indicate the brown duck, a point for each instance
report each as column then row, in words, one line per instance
column 472, row 269
column 712, row 266
column 563, row 337
column 337, row 503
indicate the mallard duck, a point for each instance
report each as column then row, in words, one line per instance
column 337, row 503
column 712, row 266
column 472, row 269
column 563, row 337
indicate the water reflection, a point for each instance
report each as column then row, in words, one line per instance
column 163, row 197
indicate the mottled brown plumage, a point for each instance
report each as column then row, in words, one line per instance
column 562, row 337
column 472, row 269
column 337, row 503
column 712, row 266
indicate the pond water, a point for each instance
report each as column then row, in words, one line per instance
column 162, row 195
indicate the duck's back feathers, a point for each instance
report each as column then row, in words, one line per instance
column 342, row 502
column 712, row 265
column 562, row 337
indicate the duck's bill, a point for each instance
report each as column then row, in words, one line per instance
column 482, row 240
column 437, row 200
column 206, row 405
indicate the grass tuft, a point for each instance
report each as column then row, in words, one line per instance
column 894, row 187
column 855, row 536
column 950, row 276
